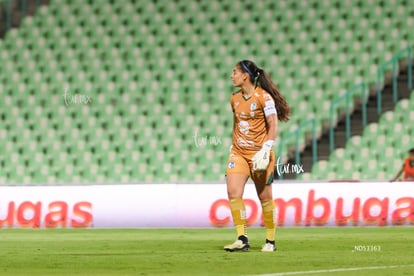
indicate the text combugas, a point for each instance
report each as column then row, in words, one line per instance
column 320, row 211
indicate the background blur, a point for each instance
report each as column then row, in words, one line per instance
column 138, row 91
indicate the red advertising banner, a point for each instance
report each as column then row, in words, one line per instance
column 204, row 205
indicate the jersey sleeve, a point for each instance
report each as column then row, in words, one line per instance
column 268, row 104
column 231, row 103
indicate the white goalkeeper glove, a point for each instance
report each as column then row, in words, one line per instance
column 262, row 157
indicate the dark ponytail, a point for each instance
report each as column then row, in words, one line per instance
column 260, row 77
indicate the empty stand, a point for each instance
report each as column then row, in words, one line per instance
column 157, row 76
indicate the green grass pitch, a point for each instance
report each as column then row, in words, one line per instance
column 387, row 250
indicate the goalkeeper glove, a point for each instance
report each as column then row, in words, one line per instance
column 262, row 157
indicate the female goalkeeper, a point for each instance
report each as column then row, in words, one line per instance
column 257, row 107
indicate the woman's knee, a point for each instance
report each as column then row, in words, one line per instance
column 235, row 185
column 266, row 193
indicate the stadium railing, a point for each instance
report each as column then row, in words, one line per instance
column 394, row 62
column 297, row 134
column 359, row 89
column 19, row 6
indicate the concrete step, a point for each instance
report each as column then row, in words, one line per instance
column 323, row 147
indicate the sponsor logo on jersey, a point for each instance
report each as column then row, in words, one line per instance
column 244, row 143
column 253, row 106
column 244, row 127
column 269, row 102
column 243, row 115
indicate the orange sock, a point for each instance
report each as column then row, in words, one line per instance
column 268, row 208
column 238, row 212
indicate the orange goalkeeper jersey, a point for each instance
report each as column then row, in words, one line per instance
column 250, row 127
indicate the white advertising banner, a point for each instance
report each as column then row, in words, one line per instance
column 203, row 205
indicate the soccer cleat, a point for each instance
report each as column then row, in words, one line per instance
column 241, row 244
column 269, row 246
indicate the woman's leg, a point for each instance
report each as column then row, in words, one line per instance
column 268, row 207
column 237, row 174
column 235, row 189
column 263, row 182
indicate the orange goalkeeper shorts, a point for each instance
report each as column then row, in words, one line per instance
column 243, row 164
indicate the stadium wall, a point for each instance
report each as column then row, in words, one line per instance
column 203, row 205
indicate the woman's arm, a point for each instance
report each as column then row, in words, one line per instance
column 272, row 123
column 398, row 174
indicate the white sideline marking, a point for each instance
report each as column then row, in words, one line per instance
column 335, row 270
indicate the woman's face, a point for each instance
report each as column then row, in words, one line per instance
column 238, row 76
